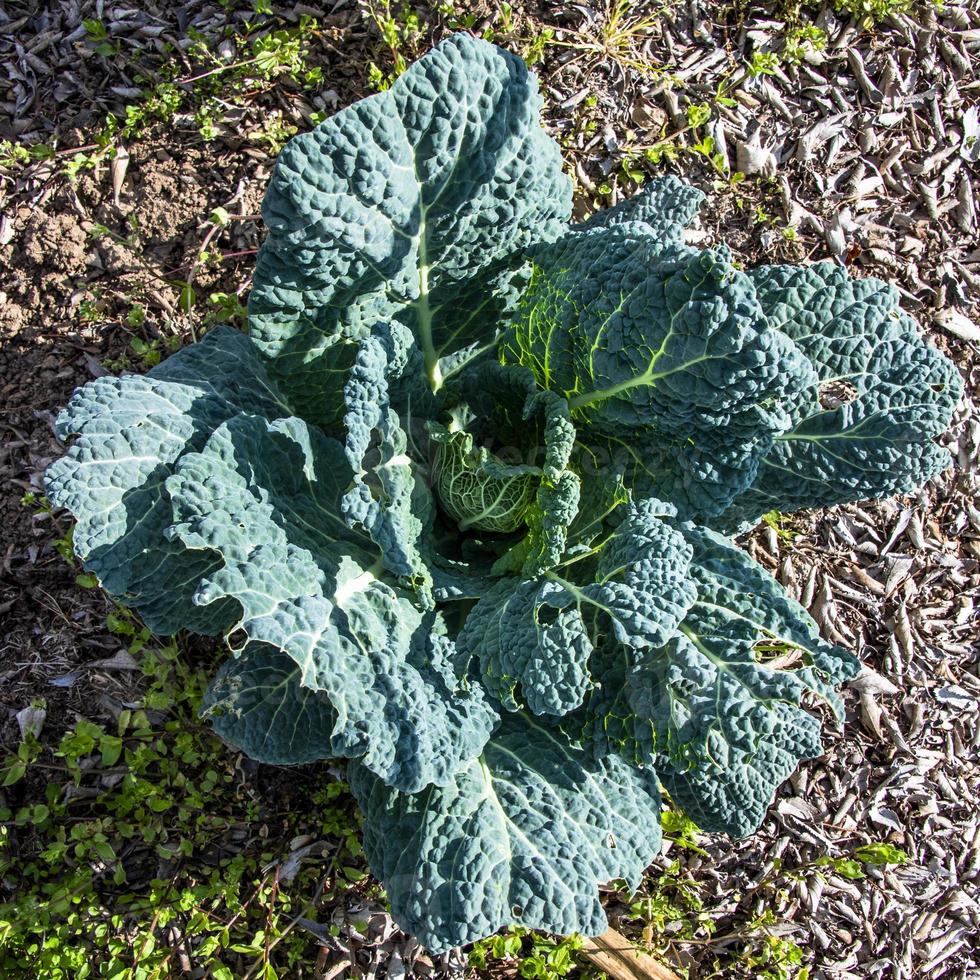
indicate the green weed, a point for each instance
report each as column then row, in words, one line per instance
column 779, row 523
column 401, row 32
column 762, row 63
column 536, row 957
column 139, row 852
column 870, row 11
column 802, row 41
column 97, row 35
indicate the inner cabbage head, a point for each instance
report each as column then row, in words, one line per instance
column 478, row 490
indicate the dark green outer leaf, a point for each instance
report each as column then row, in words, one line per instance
column 405, row 205
column 257, row 703
column 836, row 320
column 538, row 634
column 267, row 498
column 130, row 433
column 729, row 721
column 715, row 709
column 667, row 205
column 664, row 358
column 874, row 444
column 732, row 796
column 524, row 834
column 529, row 634
column 733, row 586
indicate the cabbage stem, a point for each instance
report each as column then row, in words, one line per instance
column 432, row 372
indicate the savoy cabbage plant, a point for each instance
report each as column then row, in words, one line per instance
column 460, row 502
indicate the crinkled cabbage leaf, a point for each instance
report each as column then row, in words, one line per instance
column 458, row 503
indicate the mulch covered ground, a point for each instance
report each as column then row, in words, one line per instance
column 866, row 152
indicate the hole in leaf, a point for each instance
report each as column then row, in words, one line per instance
column 938, row 387
column 776, row 654
column 833, row 394
column 546, row 615
column 237, row 639
column 517, row 911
